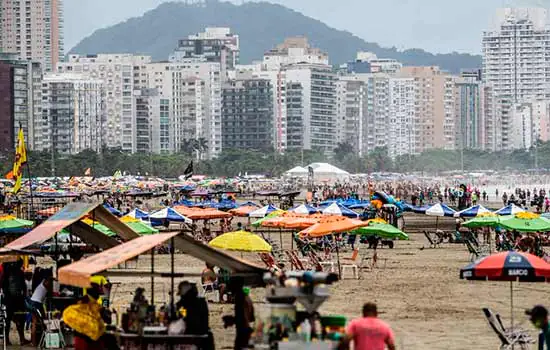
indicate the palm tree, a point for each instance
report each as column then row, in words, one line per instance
column 202, row 146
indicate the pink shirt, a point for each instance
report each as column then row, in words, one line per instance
column 370, row 333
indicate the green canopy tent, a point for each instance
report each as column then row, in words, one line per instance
column 381, row 230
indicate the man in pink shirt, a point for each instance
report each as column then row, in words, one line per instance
column 369, row 332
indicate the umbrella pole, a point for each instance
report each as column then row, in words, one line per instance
column 338, row 258
column 281, row 237
column 172, row 251
column 512, row 306
column 436, row 222
column 152, row 278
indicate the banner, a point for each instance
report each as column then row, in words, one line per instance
column 20, row 160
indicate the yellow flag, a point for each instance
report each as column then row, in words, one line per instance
column 20, row 160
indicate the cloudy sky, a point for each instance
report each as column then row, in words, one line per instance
column 434, row 25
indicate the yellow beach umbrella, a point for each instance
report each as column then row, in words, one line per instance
column 241, row 241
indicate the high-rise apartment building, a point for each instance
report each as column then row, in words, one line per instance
column 516, row 62
column 292, row 51
column 311, row 107
column 122, row 74
column 152, row 121
column 73, row 114
column 434, row 121
column 214, row 45
column 194, row 90
column 33, row 29
column 247, row 114
column 400, row 129
column 477, row 114
column 20, row 100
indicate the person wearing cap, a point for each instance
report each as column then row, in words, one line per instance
column 538, row 315
column 369, row 332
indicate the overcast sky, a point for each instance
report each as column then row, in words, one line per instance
column 433, row 25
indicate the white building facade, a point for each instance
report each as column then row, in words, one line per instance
column 73, row 114
column 122, row 74
column 516, row 63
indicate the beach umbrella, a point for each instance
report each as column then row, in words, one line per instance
column 339, row 210
column 510, row 209
column 113, row 210
column 138, row 226
column 472, row 211
column 440, row 209
column 304, row 209
column 483, row 220
column 11, row 224
column 138, row 214
column 508, row 266
column 241, row 241
column 330, row 226
column 525, row 222
column 263, row 211
column 168, row 214
column 248, row 204
column 100, row 227
column 269, row 216
column 382, row 230
column 360, row 205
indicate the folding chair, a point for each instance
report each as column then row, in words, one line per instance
column 430, row 239
column 350, row 263
column 210, row 289
column 52, row 333
column 508, row 338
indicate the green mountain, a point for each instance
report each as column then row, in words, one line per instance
column 260, row 26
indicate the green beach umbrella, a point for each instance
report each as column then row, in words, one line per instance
column 11, row 224
column 142, row 228
column 483, row 221
column 100, row 227
column 276, row 213
column 381, row 230
column 525, row 222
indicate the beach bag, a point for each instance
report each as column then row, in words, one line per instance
column 85, row 318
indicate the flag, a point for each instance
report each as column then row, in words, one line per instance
column 9, row 175
column 188, row 172
column 88, row 172
column 20, row 160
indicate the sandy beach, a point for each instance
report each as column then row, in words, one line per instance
column 418, row 292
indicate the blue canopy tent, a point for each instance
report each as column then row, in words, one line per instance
column 112, row 210
column 510, row 209
column 138, row 214
column 339, row 209
column 472, row 211
column 304, row 209
column 167, row 215
column 438, row 210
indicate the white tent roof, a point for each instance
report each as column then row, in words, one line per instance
column 326, row 168
column 297, row 170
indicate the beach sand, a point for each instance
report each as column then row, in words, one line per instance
column 418, row 292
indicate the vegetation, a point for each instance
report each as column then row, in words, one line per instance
column 260, row 25
column 233, row 162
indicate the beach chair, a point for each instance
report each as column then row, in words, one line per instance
column 509, row 338
column 433, row 243
column 295, row 262
column 316, row 264
column 351, row 263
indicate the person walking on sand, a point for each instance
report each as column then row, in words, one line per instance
column 369, row 332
